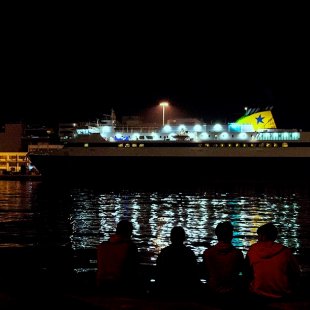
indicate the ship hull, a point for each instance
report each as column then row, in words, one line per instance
column 175, row 165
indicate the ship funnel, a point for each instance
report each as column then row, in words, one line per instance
column 259, row 120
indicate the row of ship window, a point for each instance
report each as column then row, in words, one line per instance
column 268, row 144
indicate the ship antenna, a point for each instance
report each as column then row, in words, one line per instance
column 113, row 116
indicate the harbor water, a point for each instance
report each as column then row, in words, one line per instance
column 40, row 215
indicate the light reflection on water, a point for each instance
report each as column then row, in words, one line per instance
column 32, row 214
column 154, row 214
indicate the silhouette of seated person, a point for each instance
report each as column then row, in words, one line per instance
column 271, row 269
column 117, row 262
column 176, row 267
column 222, row 264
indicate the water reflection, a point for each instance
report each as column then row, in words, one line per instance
column 16, row 215
column 94, row 217
column 37, row 214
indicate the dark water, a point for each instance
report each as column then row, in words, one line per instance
column 38, row 214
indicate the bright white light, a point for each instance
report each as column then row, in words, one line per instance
column 135, row 136
column 197, row 128
column 204, row 136
column 217, row 127
column 167, row 128
column 182, row 127
column 155, row 136
column 224, row 136
column 243, row 136
column 106, row 129
column 191, row 135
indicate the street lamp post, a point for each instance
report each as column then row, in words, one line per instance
column 164, row 105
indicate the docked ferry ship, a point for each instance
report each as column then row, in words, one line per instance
column 252, row 147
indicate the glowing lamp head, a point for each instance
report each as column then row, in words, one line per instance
column 164, row 104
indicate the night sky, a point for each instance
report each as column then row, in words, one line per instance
column 74, row 66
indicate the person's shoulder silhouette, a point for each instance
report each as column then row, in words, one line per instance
column 177, row 266
column 117, row 259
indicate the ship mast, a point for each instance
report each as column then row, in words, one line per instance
column 113, row 117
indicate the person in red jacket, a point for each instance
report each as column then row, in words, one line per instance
column 223, row 264
column 272, row 270
column 118, row 262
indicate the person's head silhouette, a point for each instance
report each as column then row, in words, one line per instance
column 177, row 235
column 124, row 228
column 224, row 231
column 267, row 232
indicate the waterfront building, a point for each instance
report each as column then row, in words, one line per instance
column 14, row 142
